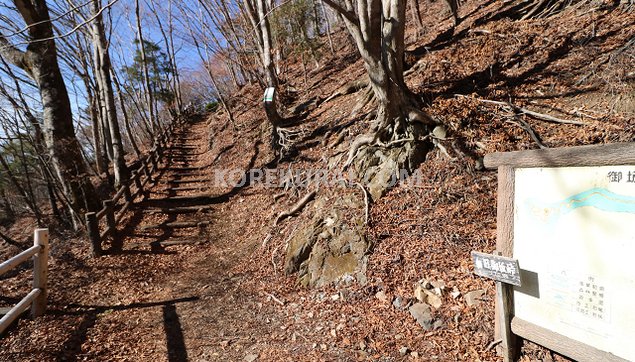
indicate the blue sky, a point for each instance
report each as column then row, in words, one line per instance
column 122, row 19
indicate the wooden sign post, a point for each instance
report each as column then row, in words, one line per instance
column 567, row 216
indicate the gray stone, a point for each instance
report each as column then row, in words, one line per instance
column 398, row 303
column 423, row 314
column 434, row 300
column 251, row 357
column 403, row 350
column 381, row 296
column 439, row 286
column 474, row 297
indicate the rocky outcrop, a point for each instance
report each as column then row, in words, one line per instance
column 332, row 246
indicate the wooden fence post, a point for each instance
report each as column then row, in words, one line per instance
column 159, row 151
column 126, row 192
column 40, row 271
column 153, row 158
column 110, row 218
column 92, row 227
column 146, row 172
column 137, row 182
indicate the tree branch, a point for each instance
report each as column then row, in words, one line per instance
column 349, row 15
column 13, row 55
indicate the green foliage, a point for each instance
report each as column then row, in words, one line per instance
column 211, row 107
column 159, row 71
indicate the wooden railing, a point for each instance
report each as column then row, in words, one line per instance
column 36, row 299
column 114, row 209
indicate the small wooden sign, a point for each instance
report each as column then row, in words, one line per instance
column 499, row 268
column 269, row 94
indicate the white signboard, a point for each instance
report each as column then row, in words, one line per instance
column 574, row 234
column 269, row 95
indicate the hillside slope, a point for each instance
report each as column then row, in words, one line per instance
column 228, row 298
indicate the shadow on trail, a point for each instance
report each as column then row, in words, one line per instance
column 169, row 161
column 71, row 348
column 203, row 200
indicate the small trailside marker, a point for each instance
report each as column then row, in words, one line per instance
column 499, row 268
column 269, row 94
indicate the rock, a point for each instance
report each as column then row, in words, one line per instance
column 251, row 357
column 403, row 350
column 474, row 297
column 414, row 354
column 455, row 293
column 420, row 293
column 427, row 296
column 423, row 314
column 398, row 303
column 439, row 284
column 434, row 300
column 335, row 297
column 399, row 336
column 437, row 324
column 457, row 318
column 381, row 296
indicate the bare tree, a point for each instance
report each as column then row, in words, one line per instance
column 378, row 29
column 101, row 59
column 146, row 73
column 258, row 12
column 40, row 62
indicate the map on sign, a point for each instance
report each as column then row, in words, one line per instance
column 574, row 231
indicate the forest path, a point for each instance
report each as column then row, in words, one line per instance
column 184, row 299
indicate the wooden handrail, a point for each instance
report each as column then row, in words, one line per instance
column 119, row 194
column 19, row 259
column 36, row 299
column 19, row 308
column 140, row 178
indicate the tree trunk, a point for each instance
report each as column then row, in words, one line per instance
column 93, row 111
column 146, row 74
column 6, row 205
column 40, row 62
column 126, row 118
column 102, row 74
column 328, row 27
column 378, row 29
column 415, row 9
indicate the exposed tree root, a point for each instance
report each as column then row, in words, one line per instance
column 366, row 202
column 541, row 9
column 296, row 208
column 536, row 115
column 355, row 146
column 527, row 128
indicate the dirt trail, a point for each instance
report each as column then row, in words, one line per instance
column 165, row 290
column 198, row 311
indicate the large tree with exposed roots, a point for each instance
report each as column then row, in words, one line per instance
column 378, row 28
